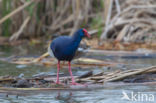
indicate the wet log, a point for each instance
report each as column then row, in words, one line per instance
column 87, row 74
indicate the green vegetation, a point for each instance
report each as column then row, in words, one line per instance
column 97, row 23
column 6, row 9
column 30, row 9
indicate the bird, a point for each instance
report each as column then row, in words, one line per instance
column 63, row 48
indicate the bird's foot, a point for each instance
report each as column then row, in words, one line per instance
column 59, row 83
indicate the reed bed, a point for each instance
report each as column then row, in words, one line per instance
column 33, row 18
column 119, row 20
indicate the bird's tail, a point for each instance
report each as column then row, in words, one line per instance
column 50, row 51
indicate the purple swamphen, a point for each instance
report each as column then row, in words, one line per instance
column 64, row 48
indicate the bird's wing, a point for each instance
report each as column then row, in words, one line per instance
column 60, row 42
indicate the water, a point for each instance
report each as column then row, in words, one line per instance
column 104, row 95
column 108, row 94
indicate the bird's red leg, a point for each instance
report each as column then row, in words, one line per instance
column 58, row 69
column 73, row 81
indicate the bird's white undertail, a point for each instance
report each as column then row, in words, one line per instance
column 50, row 52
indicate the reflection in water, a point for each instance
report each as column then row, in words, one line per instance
column 66, row 98
column 108, row 94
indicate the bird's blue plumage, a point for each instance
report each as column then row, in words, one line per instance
column 64, row 47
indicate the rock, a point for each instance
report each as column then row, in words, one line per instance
column 21, row 75
column 23, row 83
column 86, row 74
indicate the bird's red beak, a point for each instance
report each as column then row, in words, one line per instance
column 86, row 33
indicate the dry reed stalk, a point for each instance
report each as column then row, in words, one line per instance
column 16, row 35
column 119, row 76
column 15, row 11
